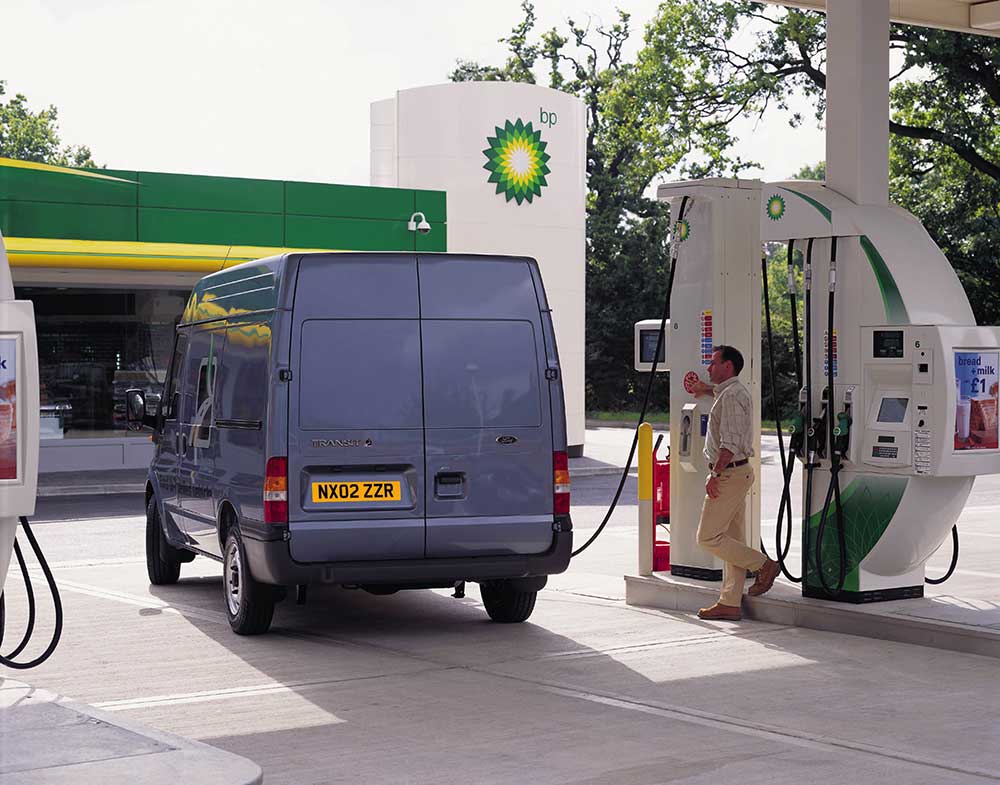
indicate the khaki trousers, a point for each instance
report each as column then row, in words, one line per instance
column 722, row 532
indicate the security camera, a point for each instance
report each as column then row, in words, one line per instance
column 418, row 226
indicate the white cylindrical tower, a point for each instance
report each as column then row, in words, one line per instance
column 511, row 158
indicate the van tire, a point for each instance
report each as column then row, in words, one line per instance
column 163, row 562
column 505, row 604
column 251, row 610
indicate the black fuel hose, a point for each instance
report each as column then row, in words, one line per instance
column 833, row 491
column 787, row 466
column 794, row 313
column 29, row 590
column 8, row 659
column 649, row 384
column 784, row 547
column 810, row 465
column 954, row 560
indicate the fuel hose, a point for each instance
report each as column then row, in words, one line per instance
column 833, row 491
column 649, row 385
column 954, row 560
column 787, row 463
column 9, row 658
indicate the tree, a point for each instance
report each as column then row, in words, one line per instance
column 34, row 136
column 944, row 144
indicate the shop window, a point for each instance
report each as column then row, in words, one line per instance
column 93, row 345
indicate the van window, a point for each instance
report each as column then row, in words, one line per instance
column 480, row 374
column 352, row 287
column 201, row 423
column 171, row 398
column 360, row 373
column 241, row 390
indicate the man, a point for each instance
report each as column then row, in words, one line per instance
column 728, row 448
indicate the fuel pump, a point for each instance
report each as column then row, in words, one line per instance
column 19, row 437
column 716, row 299
column 909, row 413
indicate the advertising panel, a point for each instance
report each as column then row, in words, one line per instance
column 8, row 409
column 976, row 385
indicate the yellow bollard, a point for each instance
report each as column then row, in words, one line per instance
column 645, row 499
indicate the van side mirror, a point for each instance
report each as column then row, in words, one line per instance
column 135, row 411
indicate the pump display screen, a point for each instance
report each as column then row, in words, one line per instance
column 887, row 344
column 976, row 391
column 8, row 409
column 647, row 346
column 892, row 409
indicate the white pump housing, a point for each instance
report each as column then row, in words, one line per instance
column 19, row 412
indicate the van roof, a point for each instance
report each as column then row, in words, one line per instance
column 252, row 287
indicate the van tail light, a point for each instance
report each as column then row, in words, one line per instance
column 276, row 491
column 560, row 479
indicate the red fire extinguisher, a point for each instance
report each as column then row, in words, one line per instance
column 661, row 510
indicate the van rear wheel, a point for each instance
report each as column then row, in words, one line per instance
column 504, row 603
column 249, row 604
column 163, row 562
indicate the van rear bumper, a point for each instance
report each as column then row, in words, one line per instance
column 271, row 562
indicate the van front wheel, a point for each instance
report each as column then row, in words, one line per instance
column 504, row 603
column 249, row 604
column 163, row 562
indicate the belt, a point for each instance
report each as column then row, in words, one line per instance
column 734, row 464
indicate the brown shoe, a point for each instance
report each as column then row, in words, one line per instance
column 765, row 578
column 720, row 612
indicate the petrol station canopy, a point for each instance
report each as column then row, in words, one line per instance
column 967, row 16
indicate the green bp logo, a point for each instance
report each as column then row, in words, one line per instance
column 775, row 207
column 516, row 160
column 683, row 230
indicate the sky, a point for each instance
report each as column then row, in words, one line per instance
column 278, row 90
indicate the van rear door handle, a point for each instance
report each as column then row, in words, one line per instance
column 449, row 485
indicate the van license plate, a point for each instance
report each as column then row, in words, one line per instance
column 326, row 492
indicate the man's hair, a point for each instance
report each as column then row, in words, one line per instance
column 730, row 354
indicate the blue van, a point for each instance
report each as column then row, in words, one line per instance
column 380, row 421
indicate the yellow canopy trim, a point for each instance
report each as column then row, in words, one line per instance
column 162, row 257
column 13, row 163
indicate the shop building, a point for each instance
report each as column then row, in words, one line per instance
column 108, row 259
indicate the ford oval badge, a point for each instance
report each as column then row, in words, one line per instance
column 505, row 440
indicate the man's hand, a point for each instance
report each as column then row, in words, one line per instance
column 699, row 388
column 712, row 487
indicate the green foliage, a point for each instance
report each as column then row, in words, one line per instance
column 944, row 145
column 786, row 384
column 815, row 172
column 34, row 136
column 946, row 168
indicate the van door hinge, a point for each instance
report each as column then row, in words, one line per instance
column 285, row 375
column 551, row 374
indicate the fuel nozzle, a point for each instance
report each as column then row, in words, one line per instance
column 842, row 428
column 817, row 430
column 797, row 428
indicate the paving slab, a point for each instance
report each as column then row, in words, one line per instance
column 46, row 739
column 942, row 622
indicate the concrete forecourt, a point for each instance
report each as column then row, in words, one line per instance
column 416, row 686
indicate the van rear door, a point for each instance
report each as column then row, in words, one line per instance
column 488, row 419
column 355, row 426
